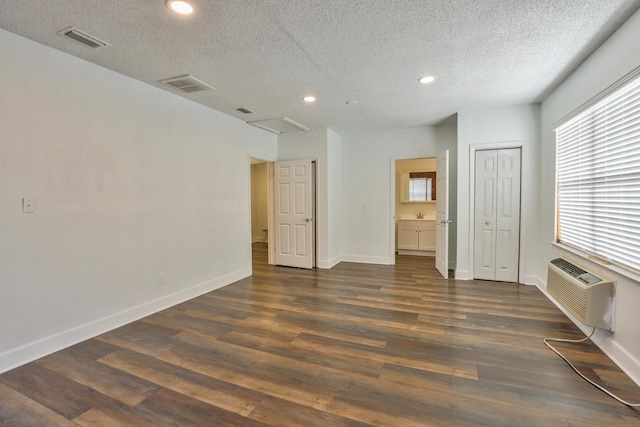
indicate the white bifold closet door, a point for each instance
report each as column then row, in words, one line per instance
column 497, row 215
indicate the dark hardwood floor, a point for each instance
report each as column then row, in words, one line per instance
column 356, row 345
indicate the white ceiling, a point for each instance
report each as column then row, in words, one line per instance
column 266, row 54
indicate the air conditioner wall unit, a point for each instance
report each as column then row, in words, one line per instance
column 586, row 295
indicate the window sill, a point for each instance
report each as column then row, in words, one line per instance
column 611, row 267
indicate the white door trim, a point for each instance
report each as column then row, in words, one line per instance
column 523, row 212
column 271, row 244
column 392, row 212
column 392, row 200
column 270, row 219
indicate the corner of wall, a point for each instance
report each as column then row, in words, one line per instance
column 31, row 351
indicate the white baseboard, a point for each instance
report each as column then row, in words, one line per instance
column 34, row 350
column 363, row 259
column 417, row 253
column 532, row 280
column 619, row 355
column 329, row 264
column 462, row 275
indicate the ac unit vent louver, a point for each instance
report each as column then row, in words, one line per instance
column 84, row 38
column 585, row 295
column 187, row 84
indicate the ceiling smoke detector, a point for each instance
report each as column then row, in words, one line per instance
column 187, row 84
column 84, row 38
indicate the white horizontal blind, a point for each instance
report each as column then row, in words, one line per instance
column 599, row 178
column 418, row 189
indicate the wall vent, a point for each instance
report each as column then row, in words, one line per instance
column 244, row 110
column 584, row 294
column 84, row 38
column 187, row 84
column 279, row 125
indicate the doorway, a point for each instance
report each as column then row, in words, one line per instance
column 261, row 184
column 497, row 205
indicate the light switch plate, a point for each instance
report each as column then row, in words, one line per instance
column 28, row 205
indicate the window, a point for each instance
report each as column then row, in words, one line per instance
column 598, row 182
column 422, row 186
column 418, row 189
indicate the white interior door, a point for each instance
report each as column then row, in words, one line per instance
column 484, row 258
column 293, row 213
column 508, row 215
column 497, row 215
column 442, row 214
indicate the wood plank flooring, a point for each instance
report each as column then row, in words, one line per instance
column 357, row 345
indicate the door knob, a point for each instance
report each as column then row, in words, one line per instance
column 307, row 220
column 446, row 221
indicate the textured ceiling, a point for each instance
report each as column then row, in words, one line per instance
column 266, row 54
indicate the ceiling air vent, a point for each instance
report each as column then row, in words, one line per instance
column 187, row 84
column 244, row 110
column 84, row 38
column 279, row 125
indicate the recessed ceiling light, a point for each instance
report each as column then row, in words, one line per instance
column 181, row 7
column 309, row 98
column 426, row 79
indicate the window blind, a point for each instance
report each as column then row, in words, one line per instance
column 418, row 189
column 598, row 178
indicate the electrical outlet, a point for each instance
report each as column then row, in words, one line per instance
column 160, row 278
column 28, row 205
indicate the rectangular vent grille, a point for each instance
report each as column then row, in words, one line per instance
column 567, row 267
column 279, row 125
column 244, row 110
column 571, row 296
column 586, row 296
column 187, row 84
column 84, row 38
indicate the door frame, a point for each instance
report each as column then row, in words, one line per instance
column 472, row 196
column 270, row 207
column 271, row 195
column 392, row 198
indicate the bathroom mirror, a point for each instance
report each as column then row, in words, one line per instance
column 417, row 187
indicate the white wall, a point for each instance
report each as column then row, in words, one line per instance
column 259, row 202
column 129, row 181
column 508, row 124
column 366, row 185
column 334, row 197
column 616, row 57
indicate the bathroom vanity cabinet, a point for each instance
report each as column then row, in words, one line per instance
column 416, row 235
